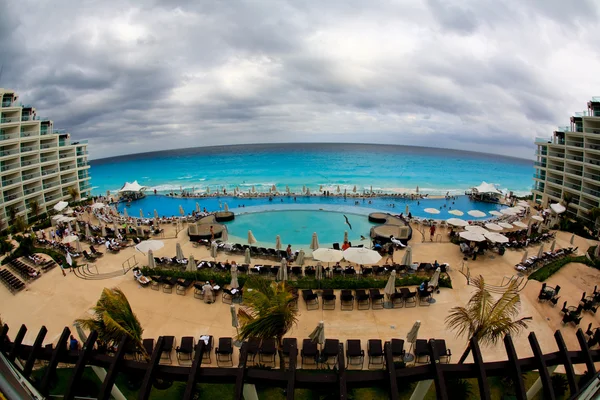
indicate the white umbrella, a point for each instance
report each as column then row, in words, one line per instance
column 300, row 258
column 251, row 238
column 523, row 203
column 156, row 222
column 327, row 255
column 148, row 245
column 541, row 252
column 552, row 246
column 69, row 239
column 318, row 335
column 407, row 258
column 191, row 264
column 457, row 222
column 273, row 188
column 234, row 277
column 278, row 242
column 412, row 335
column 307, row 191
column 141, row 213
column 197, row 207
column 496, row 237
column 314, row 244
column 78, row 246
column 345, row 236
column 226, row 207
column 282, row 274
column 432, row 211
column 493, row 227
column 496, row 213
column 224, row 234
column 361, row 255
column 88, row 232
column 476, row 229
column 181, row 211
column 458, row 213
column 509, row 211
column 558, row 208
column 287, row 189
column 151, row 263
column 247, row 259
column 537, row 218
column 519, row 208
column 476, row 213
column 214, row 249
column 253, row 189
column 338, row 188
column 125, row 213
column 95, row 206
column 525, row 256
column 505, row 225
column 519, row 224
column 472, row 236
column 435, row 278
column 390, row 286
column 61, row 205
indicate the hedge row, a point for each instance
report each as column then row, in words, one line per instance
column 224, row 278
column 27, row 248
column 551, row 268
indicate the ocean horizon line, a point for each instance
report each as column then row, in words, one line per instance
column 193, row 150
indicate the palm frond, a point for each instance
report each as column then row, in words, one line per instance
column 461, row 321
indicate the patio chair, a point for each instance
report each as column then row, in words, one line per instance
column 443, row 353
column 267, row 352
column 183, row 286
column 185, row 350
column 375, row 352
column 148, row 345
column 309, row 353
column 397, row 299
column 168, row 344
column 328, row 299
column 224, row 351
column 168, row 284
column 376, row 299
column 421, row 350
column 424, row 297
column 311, row 299
column 330, row 353
column 397, row 347
column 409, row 297
column 252, row 346
column 206, row 357
column 286, row 349
column 198, row 292
column 347, row 300
column 355, row 356
column 362, row 299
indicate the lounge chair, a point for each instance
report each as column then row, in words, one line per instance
column 96, row 252
column 252, row 347
column 376, row 299
column 397, row 347
column 168, row 344
column 148, row 345
column 421, row 350
column 409, row 297
column 424, row 297
column 443, row 353
column 397, row 299
column 206, row 358
column 362, row 299
column 183, row 286
column 224, row 351
column 198, row 291
column 88, row 257
column 185, row 350
column 375, row 352
column 309, row 352
column 331, row 350
column 267, row 352
column 286, row 349
column 328, row 299
column 311, row 299
column 355, row 356
column 347, row 300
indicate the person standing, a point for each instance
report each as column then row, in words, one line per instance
column 212, row 234
column 207, row 290
column 390, row 253
column 432, row 232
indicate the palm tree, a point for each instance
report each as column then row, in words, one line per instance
column 113, row 318
column 594, row 215
column 268, row 312
column 73, row 193
column 485, row 319
column 34, row 206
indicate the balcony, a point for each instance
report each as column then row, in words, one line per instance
column 49, row 198
column 576, row 172
column 8, row 103
column 83, row 176
column 541, row 140
column 593, row 130
column 592, row 192
column 68, row 180
column 11, row 197
column 82, row 153
column 539, row 164
column 575, row 158
column 591, row 176
column 29, row 133
column 84, row 187
column 592, row 161
column 82, row 164
column 26, row 149
column 49, row 171
column 557, row 155
column 63, row 156
column 9, row 136
column 48, row 158
column 572, row 186
column 553, row 193
column 47, row 145
column 50, row 185
column 31, row 176
column 555, row 181
column 541, row 153
column 32, row 190
column 45, row 130
column 30, row 117
column 8, row 167
column 11, row 152
column 11, row 181
column 66, row 168
column 8, row 120
column 28, row 162
column 556, row 168
column 563, row 129
column 574, row 144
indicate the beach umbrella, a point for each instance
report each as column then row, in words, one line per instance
column 390, row 286
column 214, row 249
column 141, row 213
column 103, row 230
column 151, row 263
column 307, row 191
column 76, row 226
column 320, row 188
column 406, row 210
column 327, row 255
column 552, row 246
column 508, row 211
column 417, row 190
column 226, row 207
column 207, row 190
column 125, row 213
column 314, row 244
column 456, row 212
column 472, row 236
column 61, row 205
column 115, row 227
column 476, row 213
column 572, row 241
column 493, row 227
column 156, row 223
column 95, row 206
column 247, row 259
column 273, row 188
column 303, row 188
column 69, row 259
column 181, row 211
column 519, row 208
column 287, row 189
column 558, row 208
column 251, row 238
column 541, row 252
column 234, row 318
column 197, row 207
column 354, row 189
column 496, row 237
column 88, row 233
column 282, row 274
column 457, row 222
column 525, row 255
column 300, row 258
column 407, row 258
column 278, row 242
column 529, row 230
column 318, row 335
column 435, row 278
column 191, row 264
column 371, row 189
column 78, row 246
column 412, row 335
column 538, row 218
column 319, row 272
column 224, row 234
column 476, row 229
column 345, row 236
column 361, row 255
column 234, row 277
column 148, row 245
column 505, row 225
column 519, row 224
column 345, row 192
column 496, row 213
column 432, row 211
column 523, row 203
column 253, row 189
column 338, row 188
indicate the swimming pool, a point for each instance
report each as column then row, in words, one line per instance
column 169, row 206
column 296, row 227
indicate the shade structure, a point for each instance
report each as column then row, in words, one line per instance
column 141, row 213
column 432, row 211
column 179, row 252
column 318, row 335
column 156, row 222
column 519, row 224
column 314, row 243
column 407, row 258
column 496, row 237
column 457, row 222
column 435, row 278
column 125, row 213
column 148, row 245
column 553, row 245
column 319, row 272
column 558, row 208
column 541, row 252
column 214, row 249
column 95, row 206
column 300, row 257
column 191, row 264
column 251, row 238
column 338, row 188
column 282, row 274
column 226, row 207
column 505, row 225
column 390, row 286
column 472, row 236
column 103, row 231
column 361, row 255
column 278, row 242
column 247, row 259
column 287, row 189
column 61, row 205
column 412, row 335
column 525, row 255
column 458, row 213
column 224, row 234
column 234, row 318
column 69, row 239
column 88, row 232
column 523, row 203
column 519, row 208
column 509, row 211
column 345, row 236
column 493, row 227
column 234, row 277
column 477, row 229
column 496, row 213
column 327, row 255
column 151, row 263
column 476, row 213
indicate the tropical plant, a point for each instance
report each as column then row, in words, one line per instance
column 5, row 245
column 113, row 318
column 73, row 193
column 19, row 224
column 34, row 207
column 268, row 312
column 486, row 319
column 12, row 214
column 567, row 198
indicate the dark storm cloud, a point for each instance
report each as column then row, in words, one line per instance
column 153, row 75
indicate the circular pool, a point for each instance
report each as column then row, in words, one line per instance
column 296, row 227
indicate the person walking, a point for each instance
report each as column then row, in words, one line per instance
column 432, row 232
column 390, row 253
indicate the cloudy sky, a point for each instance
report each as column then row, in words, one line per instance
column 136, row 76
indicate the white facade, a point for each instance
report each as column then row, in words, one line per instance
column 37, row 162
column 569, row 163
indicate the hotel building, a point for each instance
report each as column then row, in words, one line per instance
column 569, row 163
column 37, row 162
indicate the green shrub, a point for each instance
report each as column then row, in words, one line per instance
column 559, row 384
column 551, row 268
column 5, row 245
column 26, row 248
column 460, row 388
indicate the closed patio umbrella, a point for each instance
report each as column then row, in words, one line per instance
column 155, row 214
column 103, row 230
column 234, row 277
column 597, row 251
column 156, row 222
column 318, row 335
column 151, row 263
column 338, row 188
column 354, row 189
column 540, row 228
column 251, row 238
column 411, row 337
column 247, row 259
column 307, row 191
column 314, row 244
column 476, row 213
column 435, row 278
column 226, row 207
column 319, row 272
column 234, row 318
column 390, row 289
column 362, row 255
column 552, row 246
column 197, row 207
column 572, row 241
column 278, row 242
column 181, row 211
column 191, row 264
column 456, row 212
column 407, row 258
column 115, row 227
column 432, row 211
column 125, row 214
column 541, row 252
column 345, row 236
column 529, row 230
column 525, row 255
column 141, row 213
column 282, row 274
column 214, row 250
column 300, row 258
column 406, row 210
column 287, row 189
column 88, row 232
column 179, row 252
column 273, row 188
column 78, row 246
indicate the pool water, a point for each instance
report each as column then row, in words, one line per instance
column 296, row 228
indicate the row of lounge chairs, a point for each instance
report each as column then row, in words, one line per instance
column 12, row 283
column 534, row 262
column 365, row 300
column 45, row 265
column 520, row 240
column 26, row 272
